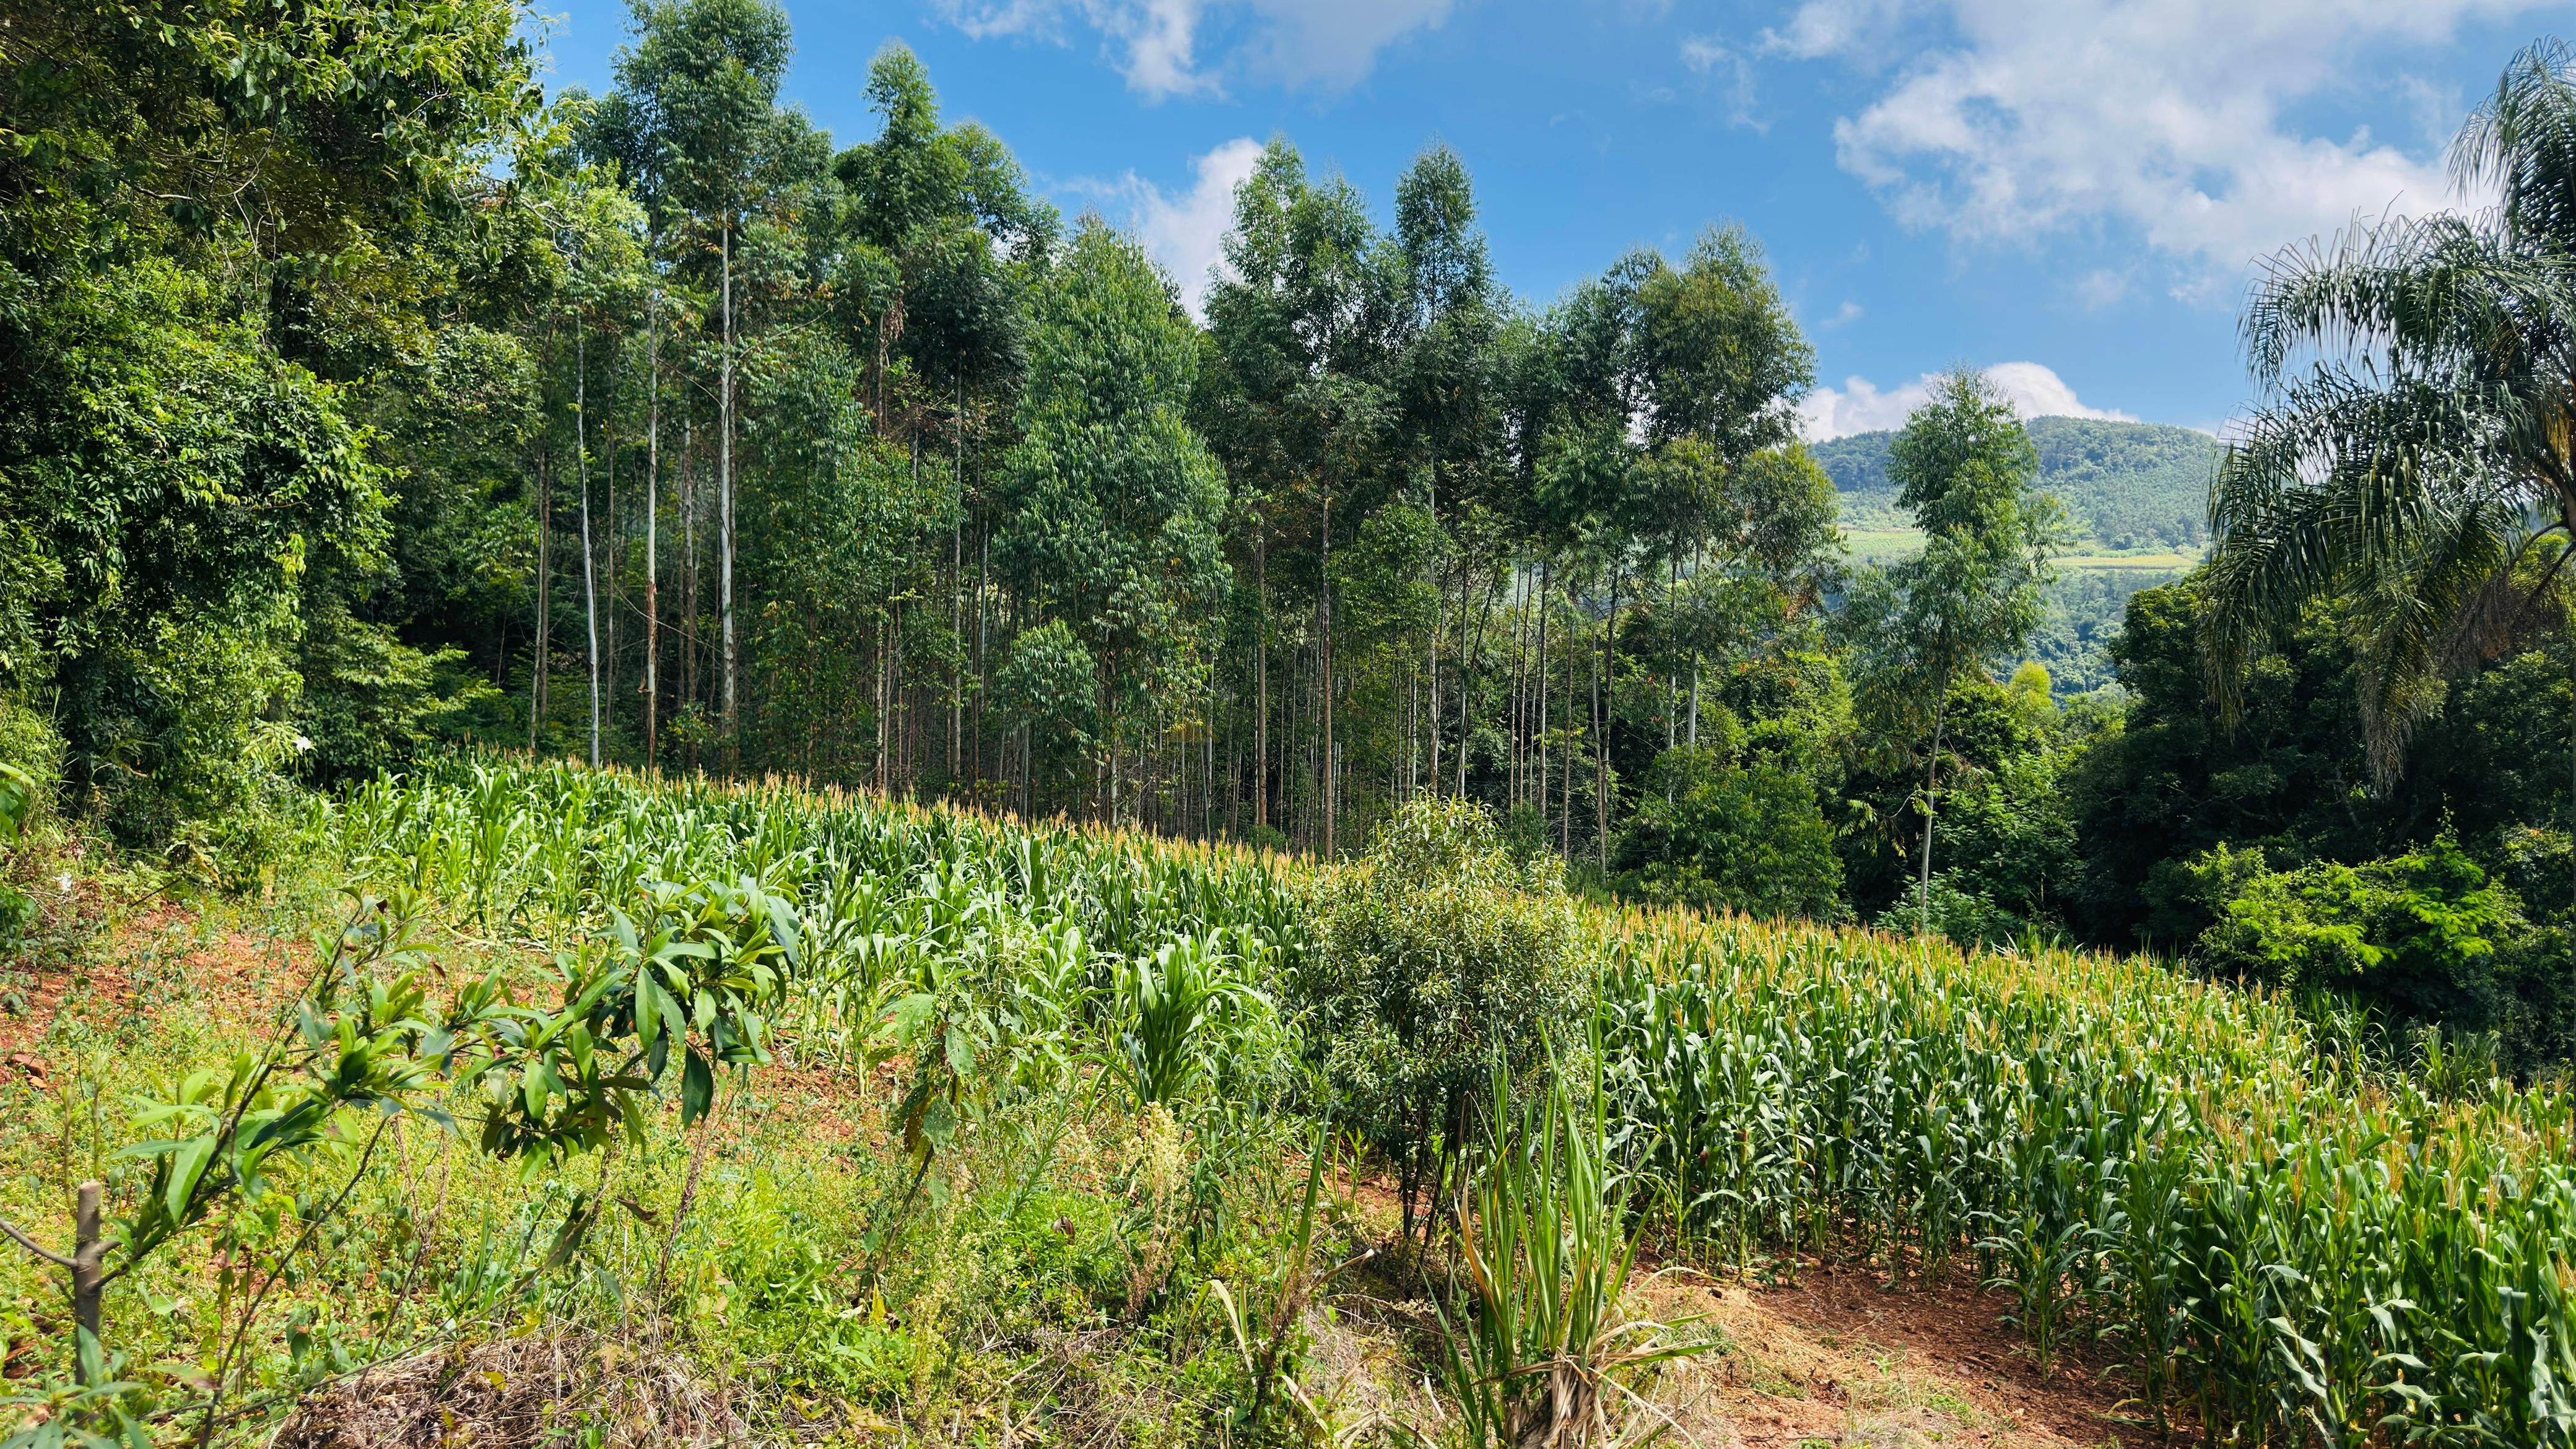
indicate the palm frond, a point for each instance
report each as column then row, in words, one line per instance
column 2445, row 296
column 2389, row 495
column 2522, row 141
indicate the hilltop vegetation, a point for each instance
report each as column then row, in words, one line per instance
column 2124, row 485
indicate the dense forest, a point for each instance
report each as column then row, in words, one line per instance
column 363, row 401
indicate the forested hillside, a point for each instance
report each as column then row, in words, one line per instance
column 2125, row 485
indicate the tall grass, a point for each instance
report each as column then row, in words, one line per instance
column 2172, row 1173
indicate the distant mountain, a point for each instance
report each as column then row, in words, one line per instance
column 2127, row 485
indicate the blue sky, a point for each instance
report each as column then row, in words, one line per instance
column 2071, row 192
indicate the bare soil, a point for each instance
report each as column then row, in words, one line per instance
column 1839, row 1358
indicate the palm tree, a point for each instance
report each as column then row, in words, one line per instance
column 2414, row 459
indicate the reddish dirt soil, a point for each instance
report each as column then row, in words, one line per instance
column 1856, row 1362
column 232, row 977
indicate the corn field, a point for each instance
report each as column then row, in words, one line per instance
column 2271, row 1240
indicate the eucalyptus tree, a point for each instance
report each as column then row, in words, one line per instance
column 938, row 248
column 1723, row 363
column 1442, row 375
column 695, row 122
column 1583, row 402
column 604, row 294
column 1300, row 324
column 1115, row 507
column 2414, row 457
column 1967, row 469
column 1659, row 385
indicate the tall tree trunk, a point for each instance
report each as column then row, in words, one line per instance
column 983, row 637
column 1699, row 561
column 1546, row 578
column 1466, row 588
column 652, row 532
column 608, row 547
column 1565, row 815
column 957, row 597
column 692, row 596
column 1672, row 582
column 724, row 511
column 1931, row 804
column 1471, row 647
column 581, row 469
column 1325, row 598
column 1432, row 734
column 1603, row 702
column 1516, row 730
column 1261, row 675
column 545, row 601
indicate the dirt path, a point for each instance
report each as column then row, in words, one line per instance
column 1839, row 1359
column 1831, row 1360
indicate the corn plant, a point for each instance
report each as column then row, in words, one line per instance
column 2200, row 1177
column 1183, row 1012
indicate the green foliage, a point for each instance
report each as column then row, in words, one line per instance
column 2288, row 775
column 1116, row 500
column 1718, row 836
column 2426, row 934
column 184, row 481
column 221, row 226
column 1191, row 1020
column 694, row 121
column 1049, row 688
column 1541, row 1345
column 2398, row 464
column 1436, row 956
column 1964, row 467
column 1972, row 597
column 30, row 765
column 369, row 1043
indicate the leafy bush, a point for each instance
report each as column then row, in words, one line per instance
column 30, row 770
column 2426, row 935
column 1048, row 689
column 1438, row 955
column 1715, row 835
column 1957, row 910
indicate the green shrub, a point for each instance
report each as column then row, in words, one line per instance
column 30, row 772
column 1718, row 836
column 1438, row 956
column 1958, row 911
column 2425, row 936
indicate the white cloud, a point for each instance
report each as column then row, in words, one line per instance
column 2007, row 120
column 1185, row 231
column 1156, row 44
column 1844, row 316
column 1859, row 406
column 1727, row 71
column 2103, row 288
